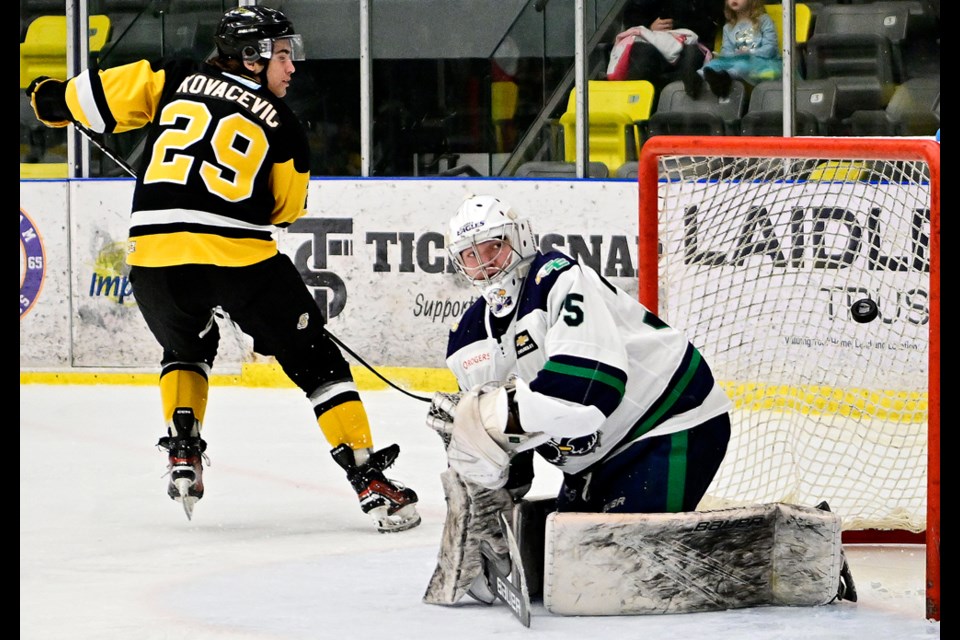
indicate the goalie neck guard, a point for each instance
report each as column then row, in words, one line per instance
column 248, row 33
column 482, row 219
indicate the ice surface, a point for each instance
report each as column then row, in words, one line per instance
column 279, row 549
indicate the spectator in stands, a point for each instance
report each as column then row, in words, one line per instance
column 750, row 49
column 703, row 17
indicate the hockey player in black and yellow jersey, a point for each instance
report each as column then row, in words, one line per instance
column 226, row 161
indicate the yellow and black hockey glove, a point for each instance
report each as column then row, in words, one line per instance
column 48, row 99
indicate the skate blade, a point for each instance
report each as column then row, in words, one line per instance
column 188, row 504
column 404, row 519
column 183, row 486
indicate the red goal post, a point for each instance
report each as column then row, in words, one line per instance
column 758, row 248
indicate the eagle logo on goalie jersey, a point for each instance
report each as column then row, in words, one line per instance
column 557, row 451
column 554, row 265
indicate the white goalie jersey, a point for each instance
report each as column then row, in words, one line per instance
column 595, row 369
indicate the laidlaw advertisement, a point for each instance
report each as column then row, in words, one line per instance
column 785, row 262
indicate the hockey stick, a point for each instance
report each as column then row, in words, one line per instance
column 107, row 151
column 374, row 371
column 510, row 587
column 92, row 137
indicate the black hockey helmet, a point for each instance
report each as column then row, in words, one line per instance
column 248, row 33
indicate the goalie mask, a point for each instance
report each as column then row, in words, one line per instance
column 248, row 33
column 492, row 247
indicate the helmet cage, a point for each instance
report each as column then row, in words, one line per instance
column 479, row 272
column 482, row 219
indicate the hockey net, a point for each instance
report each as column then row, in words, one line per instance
column 758, row 248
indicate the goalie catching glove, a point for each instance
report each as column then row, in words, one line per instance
column 486, row 433
column 443, row 406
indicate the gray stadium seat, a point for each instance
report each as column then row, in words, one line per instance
column 628, row 170
column 815, row 104
column 914, row 110
column 860, row 46
column 544, row 169
column 679, row 114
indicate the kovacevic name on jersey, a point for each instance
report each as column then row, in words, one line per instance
column 229, row 159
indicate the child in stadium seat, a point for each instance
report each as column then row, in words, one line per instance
column 750, row 51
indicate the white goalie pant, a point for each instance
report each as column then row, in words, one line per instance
column 622, row 564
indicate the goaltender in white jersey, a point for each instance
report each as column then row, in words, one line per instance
column 553, row 359
column 559, row 360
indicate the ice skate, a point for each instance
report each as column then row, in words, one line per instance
column 186, row 457
column 392, row 506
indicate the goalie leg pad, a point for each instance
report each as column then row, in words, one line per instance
column 473, row 518
column 625, row 564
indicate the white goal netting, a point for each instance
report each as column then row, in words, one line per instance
column 760, row 261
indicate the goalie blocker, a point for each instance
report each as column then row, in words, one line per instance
column 623, row 564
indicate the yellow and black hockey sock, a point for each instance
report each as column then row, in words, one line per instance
column 183, row 386
column 347, row 423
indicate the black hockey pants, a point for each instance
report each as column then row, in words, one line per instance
column 268, row 301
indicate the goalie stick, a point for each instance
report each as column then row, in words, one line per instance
column 110, row 153
column 509, row 586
